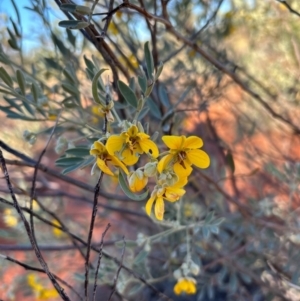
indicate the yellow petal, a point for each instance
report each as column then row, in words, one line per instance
column 115, row 161
column 138, row 184
column 164, row 161
column 150, row 204
column 149, row 146
column 193, row 142
column 198, row 157
column 182, row 181
column 101, row 164
column 181, row 171
column 173, row 194
column 159, row 208
column 99, row 146
column 114, row 144
column 129, row 157
column 132, row 131
column 174, row 142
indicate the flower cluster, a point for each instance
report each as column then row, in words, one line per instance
column 40, row 291
column 171, row 171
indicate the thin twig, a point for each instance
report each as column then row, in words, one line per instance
column 118, row 271
column 283, row 2
column 99, row 260
column 38, row 254
column 31, row 268
column 89, row 241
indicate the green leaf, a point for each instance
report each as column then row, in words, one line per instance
column 52, row 63
column 35, row 92
column 67, row 161
column 89, row 64
column 128, row 94
column 71, row 38
column 132, row 84
column 28, row 108
column 68, row 7
column 13, row 115
column 6, row 77
column 149, row 60
column 78, row 151
column 140, row 257
column 16, row 10
column 13, row 44
column 60, row 45
column 81, row 165
column 159, row 71
column 95, row 86
column 154, row 109
column 163, row 96
column 12, row 102
column 21, row 81
column 70, row 89
column 70, row 76
column 127, row 191
column 143, row 112
column 143, row 83
column 73, row 24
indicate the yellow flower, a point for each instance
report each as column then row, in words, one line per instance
column 129, row 145
column 137, row 180
column 57, row 232
column 184, row 152
column 9, row 218
column 52, row 117
column 161, row 193
column 41, row 292
column 112, row 28
column 185, row 285
column 103, row 158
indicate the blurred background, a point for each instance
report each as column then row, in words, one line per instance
column 231, row 76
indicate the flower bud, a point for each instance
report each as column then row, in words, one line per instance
column 150, row 169
column 137, row 180
column 29, row 137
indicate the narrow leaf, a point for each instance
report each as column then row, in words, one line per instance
column 128, row 94
column 78, row 151
column 143, row 83
column 95, row 86
column 154, row 109
column 149, row 60
column 6, row 77
column 21, row 81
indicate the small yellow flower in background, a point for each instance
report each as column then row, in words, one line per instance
column 184, row 152
column 137, row 180
column 9, row 218
column 161, row 193
column 96, row 110
column 192, row 53
column 119, row 14
column 130, row 144
column 41, row 292
column 57, row 232
column 185, row 285
column 52, row 117
column 103, row 158
column 112, row 28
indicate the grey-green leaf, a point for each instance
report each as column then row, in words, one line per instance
column 21, row 81
column 78, row 151
column 143, row 83
column 6, row 77
column 154, row 109
column 149, row 60
column 128, row 94
column 95, row 86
